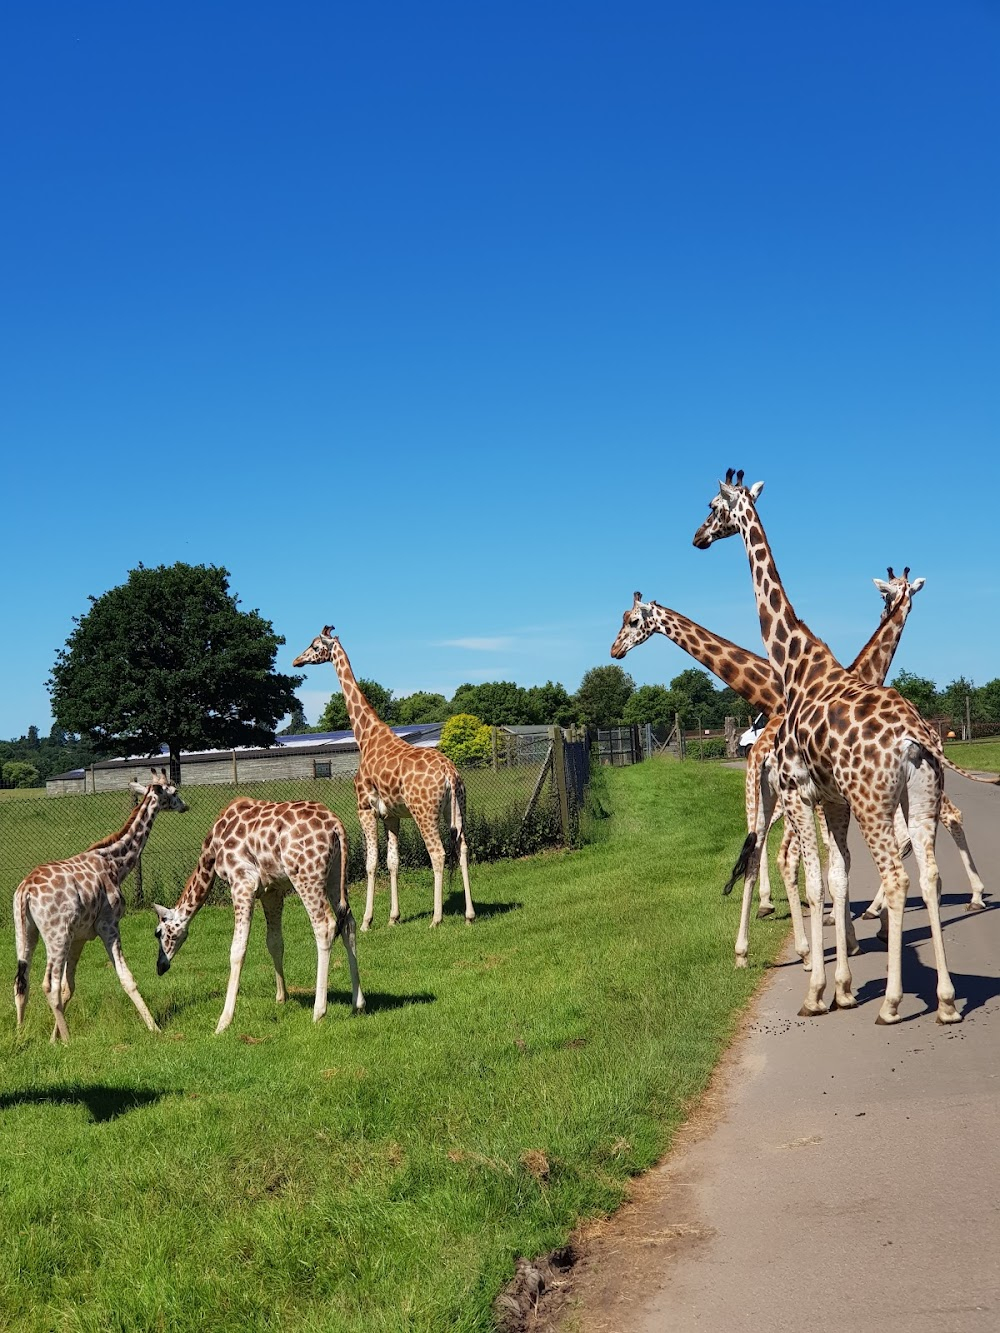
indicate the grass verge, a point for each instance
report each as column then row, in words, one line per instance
column 978, row 755
column 384, row 1172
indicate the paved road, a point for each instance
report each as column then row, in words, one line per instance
column 841, row 1175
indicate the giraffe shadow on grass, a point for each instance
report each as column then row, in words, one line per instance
column 104, row 1102
column 375, row 1001
column 454, row 906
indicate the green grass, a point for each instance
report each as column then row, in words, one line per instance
column 34, row 831
column 376, row 1173
column 978, row 755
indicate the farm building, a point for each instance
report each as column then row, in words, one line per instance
column 317, row 755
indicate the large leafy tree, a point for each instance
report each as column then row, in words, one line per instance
column 497, row 703
column 335, row 718
column 169, row 658
column 551, row 705
column 603, row 694
column 920, row 691
column 421, row 707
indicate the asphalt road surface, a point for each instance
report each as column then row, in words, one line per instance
column 839, row 1175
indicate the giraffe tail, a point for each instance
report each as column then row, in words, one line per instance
column 21, row 941
column 742, row 862
column 456, row 821
column 993, row 780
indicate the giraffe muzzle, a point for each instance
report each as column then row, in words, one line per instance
column 162, row 964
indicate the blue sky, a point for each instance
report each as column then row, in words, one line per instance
column 440, row 322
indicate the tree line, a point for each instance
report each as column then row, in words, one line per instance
column 170, row 658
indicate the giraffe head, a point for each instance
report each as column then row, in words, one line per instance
column 171, row 932
column 167, row 796
column 320, row 650
column 897, row 587
column 721, row 521
column 637, row 626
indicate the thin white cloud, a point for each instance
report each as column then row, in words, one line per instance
column 486, row 645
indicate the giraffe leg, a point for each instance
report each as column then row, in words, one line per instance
column 112, row 942
column 243, row 900
column 463, row 863
column 348, row 935
column 951, row 818
column 764, row 905
column 273, row 901
column 55, row 963
column 876, row 828
column 923, row 827
column 69, row 977
column 804, row 827
column 838, row 818
column 788, row 864
column 426, row 822
column 760, row 810
column 369, row 831
column 392, row 861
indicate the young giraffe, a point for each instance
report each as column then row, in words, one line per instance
column 854, row 748
column 70, row 902
column 266, row 850
column 395, row 779
column 751, row 676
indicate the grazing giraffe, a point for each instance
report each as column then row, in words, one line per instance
column 851, row 747
column 395, row 779
column 266, row 850
column 70, row 902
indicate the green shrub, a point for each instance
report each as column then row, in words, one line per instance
column 466, row 741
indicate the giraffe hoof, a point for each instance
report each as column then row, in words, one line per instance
column 853, row 949
column 844, row 1002
column 394, row 921
column 812, row 1009
column 828, row 919
column 887, row 1020
column 741, row 960
column 366, row 926
column 949, row 1015
column 869, row 915
column 765, row 909
column 975, row 907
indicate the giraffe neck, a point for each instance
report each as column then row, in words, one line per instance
column 365, row 722
column 872, row 663
column 788, row 640
column 123, row 849
column 746, row 673
column 200, row 882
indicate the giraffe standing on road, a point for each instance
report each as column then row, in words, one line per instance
column 266, row 850
column 395, row 779
column 854, row 748
column 70, row 902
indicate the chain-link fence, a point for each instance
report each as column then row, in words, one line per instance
column 530, row 798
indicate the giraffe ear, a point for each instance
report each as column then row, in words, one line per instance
column 161, row 912
column 138, row 788
column 916, row 585
column 756, row 489
column 884, row 588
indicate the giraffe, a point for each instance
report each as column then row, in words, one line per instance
column 871, row 667
column 750, row 675
column 851, row 747
column 266, row 850
column 72, row 901
column 395, row 779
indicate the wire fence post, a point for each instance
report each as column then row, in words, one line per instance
column 559, row 773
